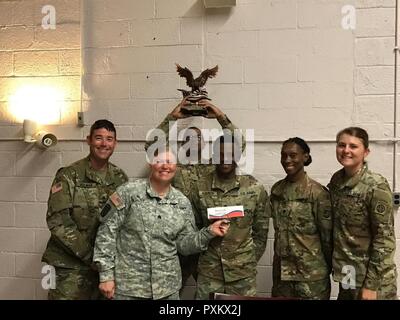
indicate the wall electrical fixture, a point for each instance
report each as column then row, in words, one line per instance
column 219, row 3
column 41, row 138
column 396, row 199
column 41, row 103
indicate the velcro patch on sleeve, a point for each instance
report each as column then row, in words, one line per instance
column 105, row 210
column 56, row 188
column 117, row 201
column 380, row 207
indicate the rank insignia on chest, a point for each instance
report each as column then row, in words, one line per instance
column 117, row 201
column 56, row 188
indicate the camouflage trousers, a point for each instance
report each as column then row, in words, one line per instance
column 174, row 296
column 242, row 287
column 387, row 292
column 74, row 284
column 312, row 290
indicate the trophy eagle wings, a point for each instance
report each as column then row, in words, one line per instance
column 200, row 81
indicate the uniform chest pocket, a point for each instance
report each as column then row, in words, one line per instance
column 249, row 206
column 302, row 217
column 86, row 197
column 352, row 210
column 134, row 220
column 85, row 210
column 209, row 199
column 172, row 228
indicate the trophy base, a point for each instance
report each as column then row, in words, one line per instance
column 194, row 110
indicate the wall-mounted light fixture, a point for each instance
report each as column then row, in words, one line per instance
column 41, row 138
column 219, row 3
column 42, row 103
column 34, row 105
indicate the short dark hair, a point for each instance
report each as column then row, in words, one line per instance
column 103, row 123
column 357, row 132
column 303, row 145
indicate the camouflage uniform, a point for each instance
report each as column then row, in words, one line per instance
column 186, row 176
column 77, row 195
column 229, row 265
column 140, row 235
column 364, row 235
column 302, row 219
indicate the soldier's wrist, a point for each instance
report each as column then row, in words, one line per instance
column 107, row 275
column 223, row 120
column 209, row 233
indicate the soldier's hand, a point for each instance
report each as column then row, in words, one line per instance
column 220, row 227
column 177, row 112
column 213, row 112
column 107, row 288
column 367, row 294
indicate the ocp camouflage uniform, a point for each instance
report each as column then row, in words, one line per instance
column 77, row 195
column 364, row 237
column 139, row 238
column 302, row 219
column 186, row 176
column 229, row 265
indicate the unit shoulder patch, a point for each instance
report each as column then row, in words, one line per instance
column 380, row 207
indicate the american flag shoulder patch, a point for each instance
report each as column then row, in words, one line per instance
column 56, row 188
column 117, row 201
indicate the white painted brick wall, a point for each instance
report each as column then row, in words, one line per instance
column 6, row 64
column 287, row 68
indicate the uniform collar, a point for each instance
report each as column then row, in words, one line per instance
column 93, row 175
column 225, row 185
column 293, row 190
column 344, row 181
column 169, row 197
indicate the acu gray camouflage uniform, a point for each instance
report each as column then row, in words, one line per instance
column 140, row 236
column 303, row 245
column 186, row 177
column 77, row 195
column 230, row 262
column 364, row 236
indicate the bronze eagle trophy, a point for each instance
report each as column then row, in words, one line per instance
column 198, row 91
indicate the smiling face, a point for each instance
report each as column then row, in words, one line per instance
column 163, row 168
column 351, row 152
column 292, row 159
column 101, row 144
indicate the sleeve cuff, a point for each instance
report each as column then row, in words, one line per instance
column 224, row 121
column 170, row 117
column 88, row 257
column 371, row 284
column 107, row 275
column 208, row 234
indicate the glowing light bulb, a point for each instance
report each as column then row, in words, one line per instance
column 41, row 104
